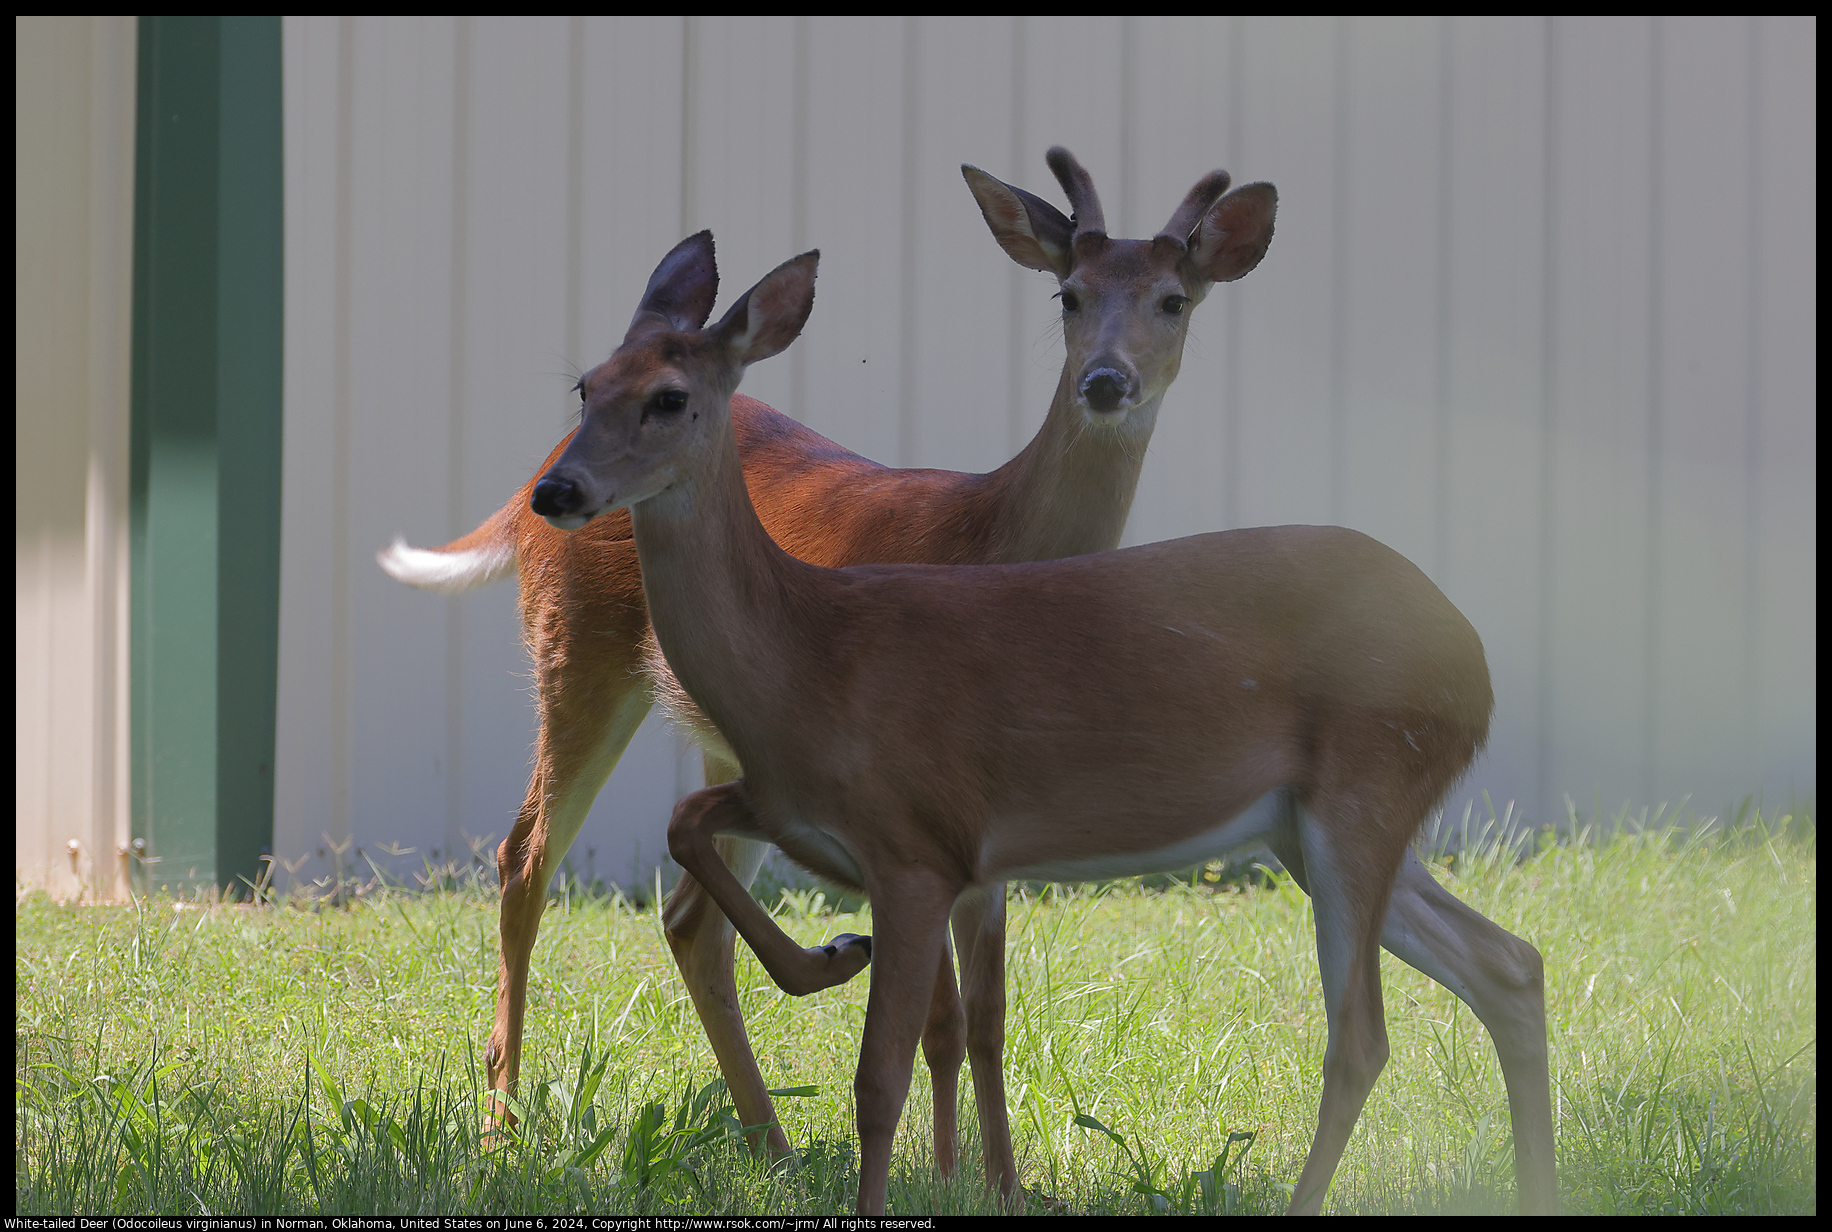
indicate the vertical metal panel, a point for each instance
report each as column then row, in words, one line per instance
column 1496, row 345
column 739, row 181
column 1783, row 526
column 309, row 726
column 74, row 158
column 1700, row 473
column 1388, row 202
column 1290, row 75
column 1182, row 121
column 206, row 441
column 630, row 170
column 1476, row 319
column 856, row 206
column 1596, row 683
column 175, row 460
column 407, row 388
column 250, row 328
column 959, row 329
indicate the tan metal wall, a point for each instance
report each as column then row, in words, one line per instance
column 73, row 194
column 1540, row 314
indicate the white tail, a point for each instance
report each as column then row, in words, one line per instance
column 447, row 572
column 485, row 555
column 926, row 733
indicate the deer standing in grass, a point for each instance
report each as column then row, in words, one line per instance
column 1067, row 493
column 926, row 733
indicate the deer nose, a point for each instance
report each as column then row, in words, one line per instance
column 555, row 497
column 1105, row 388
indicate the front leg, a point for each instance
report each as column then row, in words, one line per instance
column 702, row 940
column 798, row 971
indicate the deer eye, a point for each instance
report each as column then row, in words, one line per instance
column 670, row 401
column 1070, row 301
column 1174, row 304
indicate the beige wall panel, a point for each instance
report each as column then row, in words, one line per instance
column 957, row 302
column 740, row 177
column 1183, row 113
column 1390, row 333
column 1701, row 304
column 1289, row 78
column 74, row 132
column 1496, row 379
column 407, row 402
column 1596, row 681
column 1783, row 583
column 311, row 723
column 629, row 100
column 851, row 353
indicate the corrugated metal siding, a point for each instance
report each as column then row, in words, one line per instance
column 1540, row 314
column 74, row 202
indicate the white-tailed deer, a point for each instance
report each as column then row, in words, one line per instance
column 927, row 732
column 1067, row 493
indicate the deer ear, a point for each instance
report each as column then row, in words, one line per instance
column 1030, row 230
column 769, row 316
column 682, row 288
column 1234, row 233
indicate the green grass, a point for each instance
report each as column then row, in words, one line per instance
column 1164, row 1048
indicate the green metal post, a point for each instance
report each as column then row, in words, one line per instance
column 206, row 445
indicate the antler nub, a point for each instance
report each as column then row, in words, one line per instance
column 1196, row 203
column 1078, row 186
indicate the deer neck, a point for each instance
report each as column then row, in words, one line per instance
column 716, row 586
column 1069, row 491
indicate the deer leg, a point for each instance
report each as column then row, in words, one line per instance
column 1349, row 891
column 1502, row 979
column 944, row 1047
column 703, row 943
column 577, row 749
column 697, row 819
column 912, row 921
column 979, row 935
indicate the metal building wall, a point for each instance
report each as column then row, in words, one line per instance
column 74, row 214
column 1539, row 314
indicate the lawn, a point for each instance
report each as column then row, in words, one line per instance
column 301, row 1058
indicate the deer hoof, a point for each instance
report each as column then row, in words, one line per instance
column 845, row 940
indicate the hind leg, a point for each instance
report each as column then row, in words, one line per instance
column 979, row 934
column 1501, row 978
column 1347, row 867
column 944, row 1047
column 703, row 942
column 580, row 740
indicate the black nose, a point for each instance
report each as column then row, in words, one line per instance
column 1104, row 388
column 556, row 498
